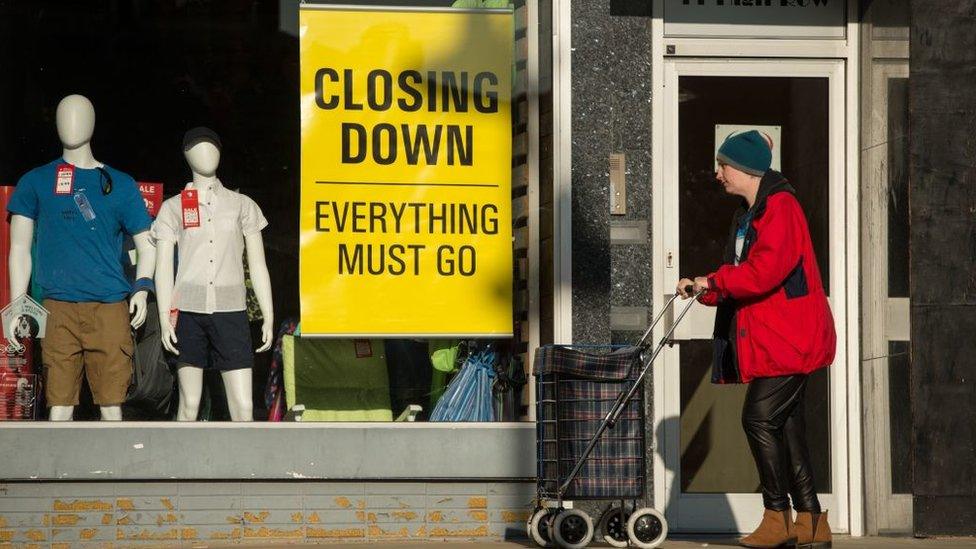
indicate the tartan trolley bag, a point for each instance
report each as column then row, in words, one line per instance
column 591, row 441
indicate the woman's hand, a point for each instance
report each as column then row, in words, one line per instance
column 697, row 285
column 701, row 283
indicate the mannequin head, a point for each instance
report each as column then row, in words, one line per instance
column 201, row 148
column 75, row 119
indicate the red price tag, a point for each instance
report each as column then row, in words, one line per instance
column 191, row 208
column 64, row 181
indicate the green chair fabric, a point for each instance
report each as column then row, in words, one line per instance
column 337, row 379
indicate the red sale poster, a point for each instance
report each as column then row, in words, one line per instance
column 5, row 192
column 152, row 195
column 19, row 385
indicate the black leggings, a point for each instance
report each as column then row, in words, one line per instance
column 773, row 420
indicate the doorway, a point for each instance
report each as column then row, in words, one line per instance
column 711, row 483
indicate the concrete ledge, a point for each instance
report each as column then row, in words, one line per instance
column 244, row 451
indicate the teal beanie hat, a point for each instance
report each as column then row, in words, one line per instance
column 746, row 151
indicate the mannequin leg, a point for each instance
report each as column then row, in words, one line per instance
column 61, row 413
column 237, row 384
column 191, row 388
column 111, row 413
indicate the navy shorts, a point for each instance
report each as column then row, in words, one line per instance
column 221, row 341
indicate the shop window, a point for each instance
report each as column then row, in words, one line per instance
column 155, row 69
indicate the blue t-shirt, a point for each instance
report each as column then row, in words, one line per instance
column 78, row 234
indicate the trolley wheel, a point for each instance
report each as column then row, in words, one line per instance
column 572, row 529
column 538, row 526
column 613, row 526
column 647, row 528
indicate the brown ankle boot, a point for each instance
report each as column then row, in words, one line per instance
column 775, row 530
column 812, row 530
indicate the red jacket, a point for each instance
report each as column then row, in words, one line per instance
column 772, row 304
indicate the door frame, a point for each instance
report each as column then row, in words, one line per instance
column 885, row 318
column 845, row 374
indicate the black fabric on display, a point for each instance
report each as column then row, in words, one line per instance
column 152, row 387
column 410, row 372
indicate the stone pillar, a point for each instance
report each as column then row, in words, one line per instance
column 611, row 113
column 942, row 202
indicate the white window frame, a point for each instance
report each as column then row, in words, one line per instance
column 562, row 66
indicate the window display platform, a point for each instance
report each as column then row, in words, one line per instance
column 255, row 451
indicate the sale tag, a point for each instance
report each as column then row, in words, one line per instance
column 65, row 179
column 363, row 348
column 191, row 208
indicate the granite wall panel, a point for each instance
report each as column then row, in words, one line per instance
column 611, row 113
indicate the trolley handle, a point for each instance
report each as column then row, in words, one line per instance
column 690, row 290
column 624, row 397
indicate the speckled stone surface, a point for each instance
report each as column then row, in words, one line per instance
column 611, row 101
column 611, row 96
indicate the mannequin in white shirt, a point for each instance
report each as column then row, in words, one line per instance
column 203, row 157
column 75, row 120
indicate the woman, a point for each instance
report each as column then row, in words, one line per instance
column 773, row 328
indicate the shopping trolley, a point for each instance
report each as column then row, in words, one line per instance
column 590, row 441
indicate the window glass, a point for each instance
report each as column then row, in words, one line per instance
column 897, row 187
column 153, row 70
column 900, row 421
column 795, row 110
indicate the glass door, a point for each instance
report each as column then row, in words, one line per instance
column 712, row 484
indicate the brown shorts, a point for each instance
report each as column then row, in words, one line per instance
column 89, row 337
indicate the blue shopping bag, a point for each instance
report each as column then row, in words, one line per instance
column 468, row 397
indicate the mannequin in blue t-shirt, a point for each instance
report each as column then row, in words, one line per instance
column 80, row 209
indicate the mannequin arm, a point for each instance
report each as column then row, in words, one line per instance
column 261, row 281
column 145, row 265
column 19, row 262
column 146, row 261
column 164, row 292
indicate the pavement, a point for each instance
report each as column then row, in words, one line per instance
column 840, row 542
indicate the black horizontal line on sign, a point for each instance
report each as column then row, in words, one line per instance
column 380, row 183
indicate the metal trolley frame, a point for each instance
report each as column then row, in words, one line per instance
column 576, row 390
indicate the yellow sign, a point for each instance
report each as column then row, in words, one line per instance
column 406, row 172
